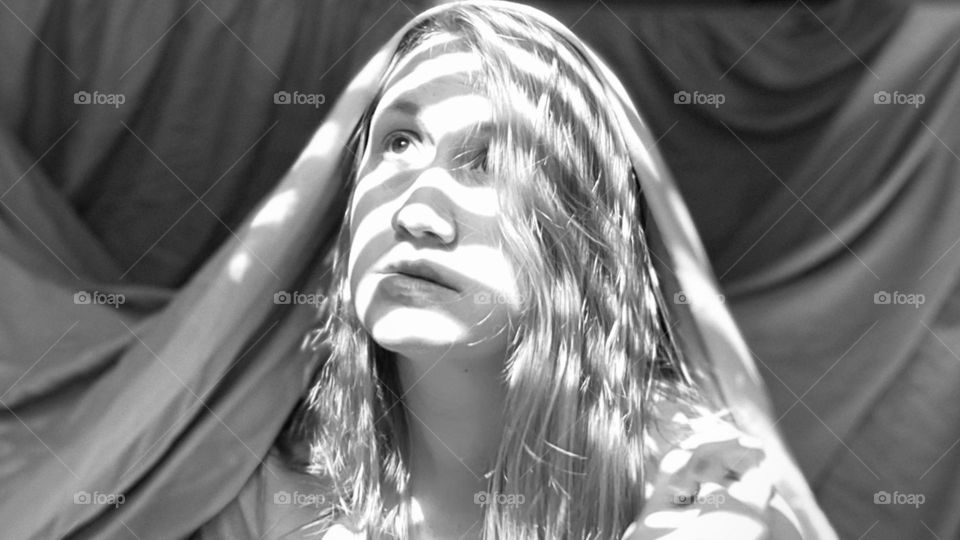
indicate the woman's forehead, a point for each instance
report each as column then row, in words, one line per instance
column 438, row 56
column 430, row 47
column 437, row 70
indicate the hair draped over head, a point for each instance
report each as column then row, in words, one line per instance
column 578, row 173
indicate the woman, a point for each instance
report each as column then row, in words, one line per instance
column 501, row 363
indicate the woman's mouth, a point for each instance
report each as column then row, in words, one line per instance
column 422, row 271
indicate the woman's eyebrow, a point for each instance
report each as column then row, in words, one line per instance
column 405, row 109
column 404, row 106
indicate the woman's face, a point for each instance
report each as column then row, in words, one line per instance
column 428, row 275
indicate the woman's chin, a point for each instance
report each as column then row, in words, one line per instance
column 408, row 330
column 431, row 339
column 429, row 323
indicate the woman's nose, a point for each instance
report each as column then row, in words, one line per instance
column 425, row 214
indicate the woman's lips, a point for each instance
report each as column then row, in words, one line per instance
column 422, row 271
column 417, row 290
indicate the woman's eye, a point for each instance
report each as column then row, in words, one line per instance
column 399, row 142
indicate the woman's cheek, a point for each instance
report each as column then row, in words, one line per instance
column 375, row 188
column 370, row 233
column 491, row 270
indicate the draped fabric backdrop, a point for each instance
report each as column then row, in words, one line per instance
column 142, row 353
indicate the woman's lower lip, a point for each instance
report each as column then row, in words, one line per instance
column 406, row 286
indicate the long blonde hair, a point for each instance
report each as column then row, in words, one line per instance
column 592, row 339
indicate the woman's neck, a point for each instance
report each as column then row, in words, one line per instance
column 455, row 421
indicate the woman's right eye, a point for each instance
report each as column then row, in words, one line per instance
column 398, row 142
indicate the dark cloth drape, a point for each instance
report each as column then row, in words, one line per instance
column 146, row 366
column 817, row 201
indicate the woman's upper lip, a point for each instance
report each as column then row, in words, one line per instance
column 423, row 270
